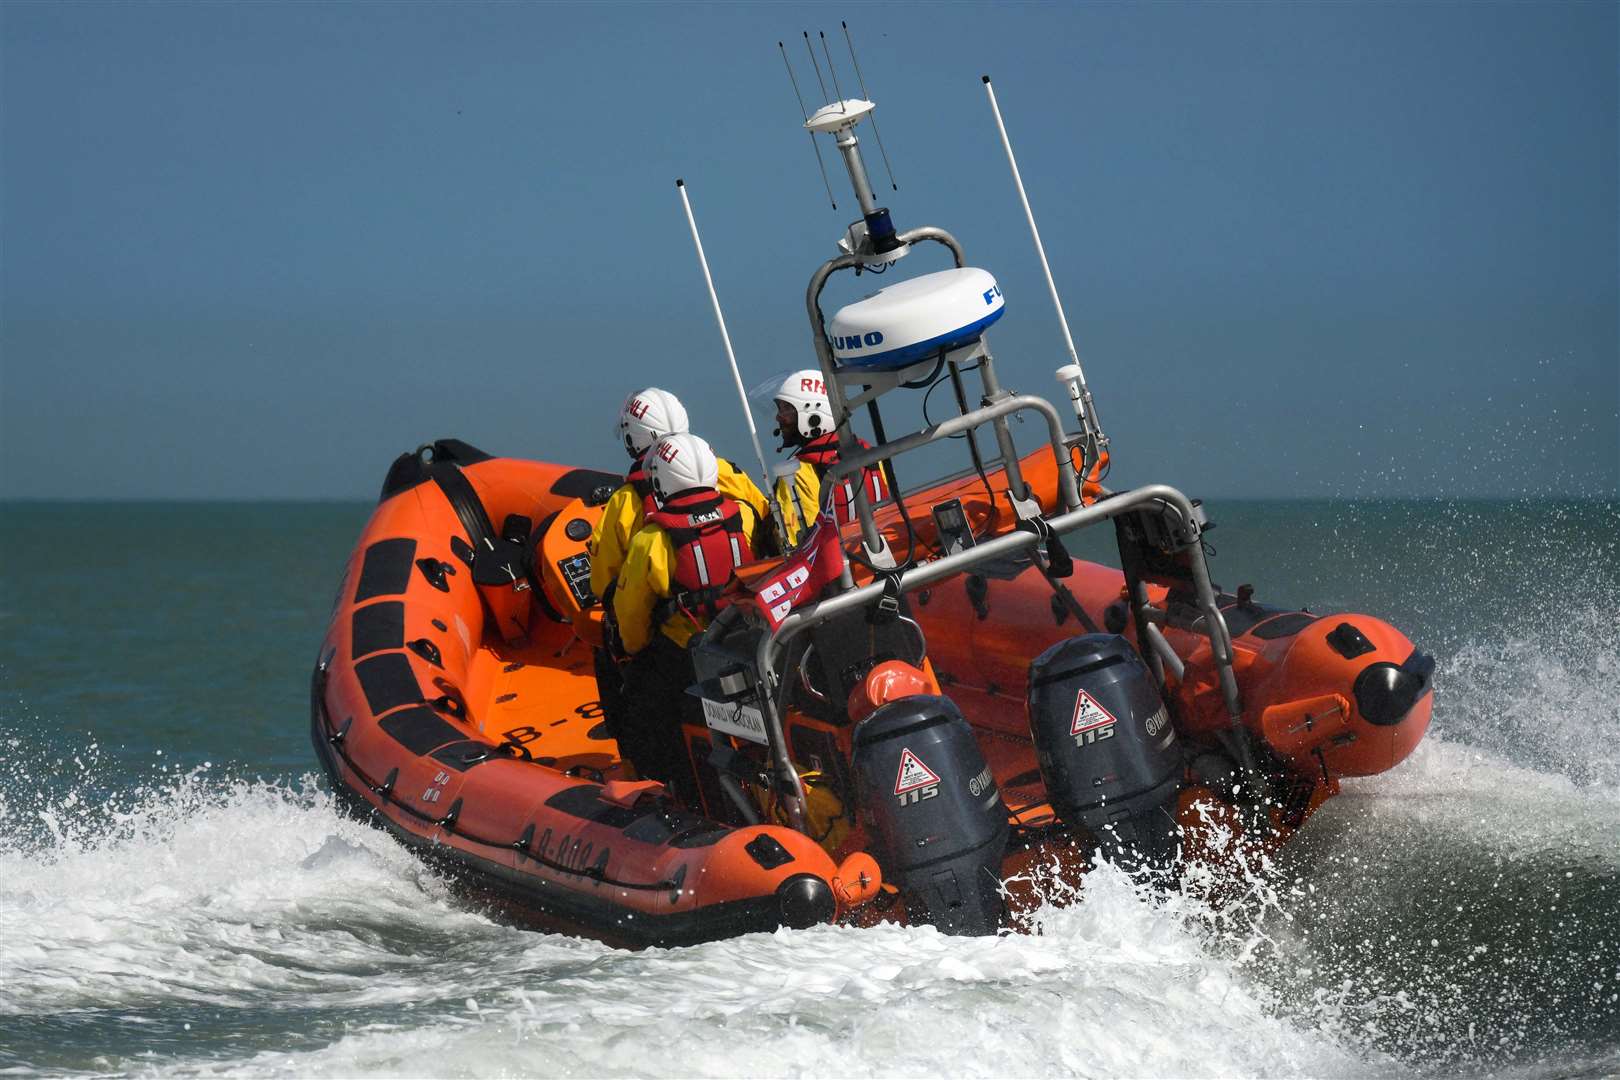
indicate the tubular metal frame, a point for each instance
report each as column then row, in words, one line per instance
column 772, row 648
column 847, row 446
column 996, row 405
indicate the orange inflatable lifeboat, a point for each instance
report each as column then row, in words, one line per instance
column 454, row 704
column 925, row 700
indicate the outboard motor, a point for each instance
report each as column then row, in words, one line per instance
column 1106, row 747
column 933, row 812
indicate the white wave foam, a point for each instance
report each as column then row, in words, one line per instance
column 322, row 947
column 1114, row 987
column 256, row 905
column 203, row 892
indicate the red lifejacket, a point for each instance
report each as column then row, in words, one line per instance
column 706, row 530
column 822, row 454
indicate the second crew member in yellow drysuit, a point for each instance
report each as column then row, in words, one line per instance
column 645, row 418
column 804, row 421
column 678, row 564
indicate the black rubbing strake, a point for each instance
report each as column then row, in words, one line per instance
column 388, row 682
column 584, row 801
column 377, row 627
column 420, row 730
column 1284, row 625
column 1241, row 618
column 386, row 570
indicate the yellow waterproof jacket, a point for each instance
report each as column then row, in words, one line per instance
column 648, row 577
column 624, row 514
column 799, row 496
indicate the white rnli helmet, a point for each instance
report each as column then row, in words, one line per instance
column 680, row 463
column 648, row 416
column 807, row 393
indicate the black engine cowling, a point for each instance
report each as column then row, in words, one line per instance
column 933, row 812
column 1106, row 748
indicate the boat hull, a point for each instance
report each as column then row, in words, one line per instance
column 455, row 705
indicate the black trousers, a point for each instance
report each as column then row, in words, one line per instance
column 657, row 703
column 610, row 695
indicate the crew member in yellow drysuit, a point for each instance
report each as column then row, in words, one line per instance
column 805, row 422
column 645, row 418
column 679, row 562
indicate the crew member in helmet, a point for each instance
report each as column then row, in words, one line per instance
column 677, row 566
column 644, row 418
column 805, row 422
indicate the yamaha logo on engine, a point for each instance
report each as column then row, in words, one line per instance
column 982, row 783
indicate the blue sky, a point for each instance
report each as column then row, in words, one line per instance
column 256, row 250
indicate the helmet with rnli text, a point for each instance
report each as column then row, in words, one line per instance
column 678, row 463
column 806, row 393
column 647, row 416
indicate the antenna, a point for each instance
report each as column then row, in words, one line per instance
column 806, row 113
column 811, row 49
column 1082, row 400
column 874, row 237
column 832, row 71
column 862, row 80
column 731, row 356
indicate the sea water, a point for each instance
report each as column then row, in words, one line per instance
column 178, row 896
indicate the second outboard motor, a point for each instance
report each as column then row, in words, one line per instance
column 1106, row 747
column 933, row 811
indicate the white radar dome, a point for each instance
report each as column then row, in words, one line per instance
column 912, row 320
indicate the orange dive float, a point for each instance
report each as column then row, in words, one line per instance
column 904, row 717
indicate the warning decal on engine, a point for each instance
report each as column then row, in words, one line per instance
column 913, row 774
column 1088, row 715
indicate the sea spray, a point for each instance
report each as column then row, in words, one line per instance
column 212, row 924
column 1463, row 910
column 152, row 896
